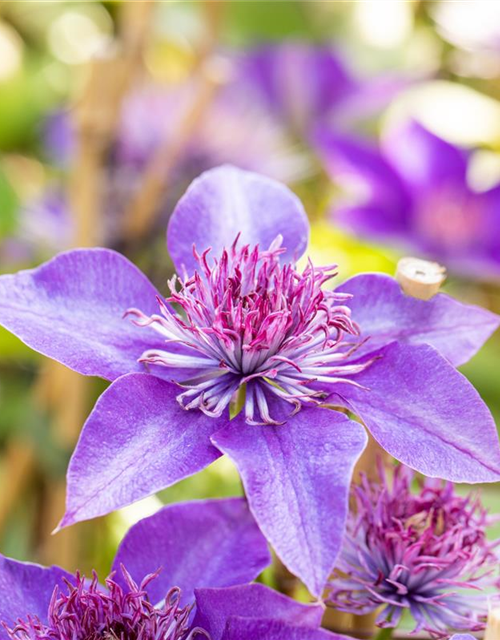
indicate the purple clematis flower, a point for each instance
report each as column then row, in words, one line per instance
column 416, row 195
column 303, row 84
column 248, row 320
column 424, row 552
column 178, row 575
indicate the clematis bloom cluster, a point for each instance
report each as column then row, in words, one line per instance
column 366, row 348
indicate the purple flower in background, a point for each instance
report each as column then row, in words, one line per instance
column 424, row 552
column 413, row 193
column 247, row 321
column 303, row 84
column 178, row 575
column 234, row 129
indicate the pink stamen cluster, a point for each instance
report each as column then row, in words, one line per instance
column 425, row 553
column 248, row 320
column 89, row 612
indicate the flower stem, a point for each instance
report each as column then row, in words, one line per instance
column 384, row 634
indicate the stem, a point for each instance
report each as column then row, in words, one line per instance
column 239, row 402
column 384, row 634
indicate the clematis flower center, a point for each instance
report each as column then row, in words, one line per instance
column 449, row 218
column 249, row 321
column 426, row 553
column 88, row 612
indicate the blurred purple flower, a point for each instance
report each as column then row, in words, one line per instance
column 424, row 552
column 251, row 321
column 252, row 123
column 304, row 84
column 234, row 129
column 413, row 192
column 178, row 575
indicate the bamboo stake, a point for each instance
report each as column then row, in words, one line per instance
column 143, row 208
column 493, row 626
column 95, row 118
column 19, row 466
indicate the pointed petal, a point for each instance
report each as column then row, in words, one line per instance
column 215, row 606
column 227, row 201
column 136, row 441
column 426, row 414
column 245, row 629
column 423, row 160
column 196, row 544
column 296, row 479
column 385, row 314
column 353, row 160
column 26, row 590
column 300, row 82
column 71, row 309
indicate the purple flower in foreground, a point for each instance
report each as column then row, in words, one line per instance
column 415, row 194
column 180, row 574
column 248, row 320
column 424, row 552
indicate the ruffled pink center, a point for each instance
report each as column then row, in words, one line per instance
column 246, row 320
column 426, row 553
column 89, row 612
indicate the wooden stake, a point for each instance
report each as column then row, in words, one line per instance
column 96, row 116
column 493, row 626
column 144, row 206
column 18, row 468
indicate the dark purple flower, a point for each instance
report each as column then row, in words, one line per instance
column 251, row 320
column 425, row 552
column 414, row 193
column 180, row 574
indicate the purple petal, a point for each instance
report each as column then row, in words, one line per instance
column 136, row 441
column 462, row 636
column 26, row 589
column 424, row 160
column 59, row 138
column 371, row 98
column 371, row 222
column 359, row 162
column 299, row 82
column 71, row 309
column 227, row 201
column 245, row 629
column 196, row 544
column 215, row 606
column 296, row 479
column 385, row 314
column 426, row 414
